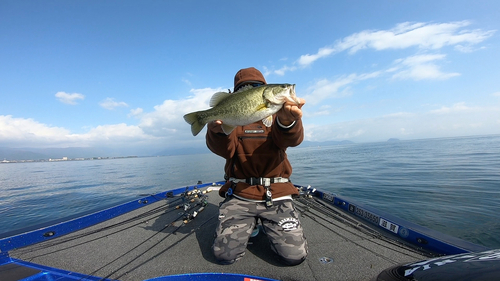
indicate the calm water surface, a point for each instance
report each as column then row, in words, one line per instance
column 451, row 185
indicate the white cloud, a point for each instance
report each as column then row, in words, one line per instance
column 69, row 98
column 135, row 112
column 420, row 67
column 284, row 69
column 110, row 104
column 323, row 110
column 424, row 36
column 309, row 59
column 20, row 127
column 468, row 48
column 167, row 118
column 497, row 94
column 457, row 107
column 324, row 89
column 420, row 35
column 18, row 132
column 113, row 133
column 21, row 132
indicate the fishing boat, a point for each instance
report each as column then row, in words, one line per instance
column 168, row 236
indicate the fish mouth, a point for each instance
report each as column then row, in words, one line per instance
column 293, row 95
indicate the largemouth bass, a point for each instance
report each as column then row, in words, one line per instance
column 243, row 107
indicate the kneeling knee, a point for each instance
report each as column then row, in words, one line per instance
column 223, row 257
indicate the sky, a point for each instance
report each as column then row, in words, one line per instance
column 123, row 73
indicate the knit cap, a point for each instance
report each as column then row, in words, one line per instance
column 248, row 75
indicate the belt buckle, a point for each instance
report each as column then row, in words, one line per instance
column 261, row 181
column 256, row 181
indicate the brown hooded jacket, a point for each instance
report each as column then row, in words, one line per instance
column 256, row 151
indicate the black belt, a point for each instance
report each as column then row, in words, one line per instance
column 266, row 182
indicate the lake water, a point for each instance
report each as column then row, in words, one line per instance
column 451, row 185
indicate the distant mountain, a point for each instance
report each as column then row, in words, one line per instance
column 393, row 140
column 20, row 154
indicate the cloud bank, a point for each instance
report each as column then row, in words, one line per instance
column 447, row 121
column 160, row 128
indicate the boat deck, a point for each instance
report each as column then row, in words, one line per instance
column 154, row 241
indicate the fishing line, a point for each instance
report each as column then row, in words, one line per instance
column 339, row 217
column 320, row 207
column 369, row 231
column 166, row 249
column 135, row 247
column 314, row 217
column 153, row 246
column 92, row 240
column 364, row 229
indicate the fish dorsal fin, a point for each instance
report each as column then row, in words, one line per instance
column 217, row 98
column 268, row 121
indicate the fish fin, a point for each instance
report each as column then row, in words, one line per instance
column 268, row 121
column 261, row 106
column 217, row 98
column 227, row 129
column 196, row 125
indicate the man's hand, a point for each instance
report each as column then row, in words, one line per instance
column 290, row 112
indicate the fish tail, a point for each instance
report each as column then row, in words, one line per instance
column 194, row 121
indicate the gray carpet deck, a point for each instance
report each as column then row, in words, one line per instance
column 153, row 241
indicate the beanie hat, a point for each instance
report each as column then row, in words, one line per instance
column 247, row 75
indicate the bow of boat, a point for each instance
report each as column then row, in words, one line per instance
column 171, row 233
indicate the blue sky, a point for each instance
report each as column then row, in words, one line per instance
column 123, row 73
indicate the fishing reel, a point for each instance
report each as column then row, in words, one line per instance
column 195, row 202
column 306, row 192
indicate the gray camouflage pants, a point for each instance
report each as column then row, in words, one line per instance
column 281, row 223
